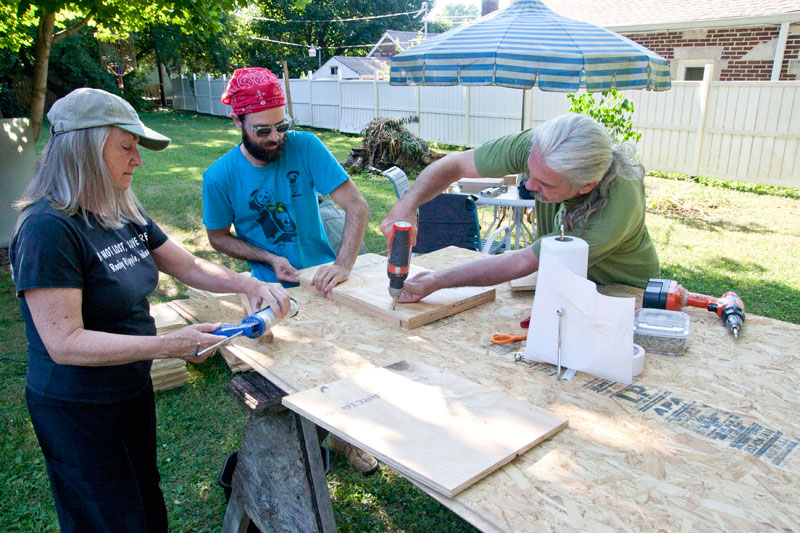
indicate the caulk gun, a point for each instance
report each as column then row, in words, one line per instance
column 252, row 326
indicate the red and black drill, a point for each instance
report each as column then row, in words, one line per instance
column 668, row 294
column 399, row 258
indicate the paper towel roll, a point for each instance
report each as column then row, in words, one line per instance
column 572, row 251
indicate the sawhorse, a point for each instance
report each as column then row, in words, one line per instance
column 279, row 482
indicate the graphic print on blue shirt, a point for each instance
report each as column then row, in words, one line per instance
column 276, row 222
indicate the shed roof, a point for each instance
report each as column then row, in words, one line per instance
column 363, row 65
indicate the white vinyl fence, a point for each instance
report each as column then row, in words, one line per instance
column 744, row 131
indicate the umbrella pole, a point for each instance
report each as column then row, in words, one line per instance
column 522, row 121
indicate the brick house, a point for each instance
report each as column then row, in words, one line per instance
column 743, row 40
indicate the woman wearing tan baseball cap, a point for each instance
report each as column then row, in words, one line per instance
column 84, row 258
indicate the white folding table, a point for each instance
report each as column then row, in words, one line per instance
column 508, row 199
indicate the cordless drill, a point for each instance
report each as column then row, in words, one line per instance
column 399, row 258
column 668, row 294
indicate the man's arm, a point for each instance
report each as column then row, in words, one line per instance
column 356, row 210
column 479, row 273
column 223, row 241
column 430, row 182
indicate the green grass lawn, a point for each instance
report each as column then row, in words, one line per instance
column 712, row 239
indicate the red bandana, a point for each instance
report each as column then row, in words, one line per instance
column 252, row 90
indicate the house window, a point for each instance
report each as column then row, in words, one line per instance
column 694, row 73
column 694, row 69
column 334, row 70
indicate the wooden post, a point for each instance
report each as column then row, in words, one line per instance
column 310, row 98
column 377, row 97
column 279, row 482
column 288, row 91
column 701, row 120
column 468, row 93
column 194, row 91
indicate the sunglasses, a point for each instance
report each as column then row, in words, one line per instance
column 264, row 131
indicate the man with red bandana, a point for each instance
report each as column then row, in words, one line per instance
column 266, row 189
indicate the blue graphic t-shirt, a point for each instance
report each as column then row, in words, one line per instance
column 275, row 207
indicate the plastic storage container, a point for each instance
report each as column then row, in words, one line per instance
column 661, row 331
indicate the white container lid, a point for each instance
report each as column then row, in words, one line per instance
column 661, row 323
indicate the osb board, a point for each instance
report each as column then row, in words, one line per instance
column 367, row 290
column 431, row 426
column 526, row 283
column 706, row 441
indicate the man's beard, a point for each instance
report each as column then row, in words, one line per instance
column 261, row 152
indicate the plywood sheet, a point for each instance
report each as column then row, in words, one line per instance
column 707, row 441
column 367, row 290
column 434, row 427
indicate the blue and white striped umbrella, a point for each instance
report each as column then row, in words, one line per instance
column 527, row 44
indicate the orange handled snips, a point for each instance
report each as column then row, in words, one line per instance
column 503, row 338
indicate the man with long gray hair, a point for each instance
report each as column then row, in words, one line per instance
column 580, row 179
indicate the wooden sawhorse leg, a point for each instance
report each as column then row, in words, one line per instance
column 279, row 482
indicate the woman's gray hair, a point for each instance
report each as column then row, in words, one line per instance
column 579, row 148
column 72, row 175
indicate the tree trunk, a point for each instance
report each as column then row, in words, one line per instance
column 161, row 89
column 487, row 6
column 44, row 40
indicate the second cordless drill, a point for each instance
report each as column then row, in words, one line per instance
column 668, row 294
column 399, row 258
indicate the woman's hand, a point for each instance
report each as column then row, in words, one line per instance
column 184, row 342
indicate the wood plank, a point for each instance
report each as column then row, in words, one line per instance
column 167, row 319
column 526, row 283
column 367, row 291
column 434, row 427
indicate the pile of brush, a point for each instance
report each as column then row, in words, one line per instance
column 387, row 142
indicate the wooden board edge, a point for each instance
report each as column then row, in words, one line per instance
column 355, row 442
column 503, row 462
column 474, row 301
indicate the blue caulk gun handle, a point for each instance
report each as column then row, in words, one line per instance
column 257, row 324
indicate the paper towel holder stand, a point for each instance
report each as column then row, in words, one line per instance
column 562, row 238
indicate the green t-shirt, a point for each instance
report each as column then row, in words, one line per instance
column 620, row 249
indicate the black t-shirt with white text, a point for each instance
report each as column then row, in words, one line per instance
column 115, row 272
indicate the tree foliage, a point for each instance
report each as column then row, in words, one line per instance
column 457, row 14
column 612, row 110
column 242, row 38
column 42, row 23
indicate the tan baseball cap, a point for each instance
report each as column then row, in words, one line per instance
column 91, row 108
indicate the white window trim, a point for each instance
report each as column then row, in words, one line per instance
column 681, row 65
